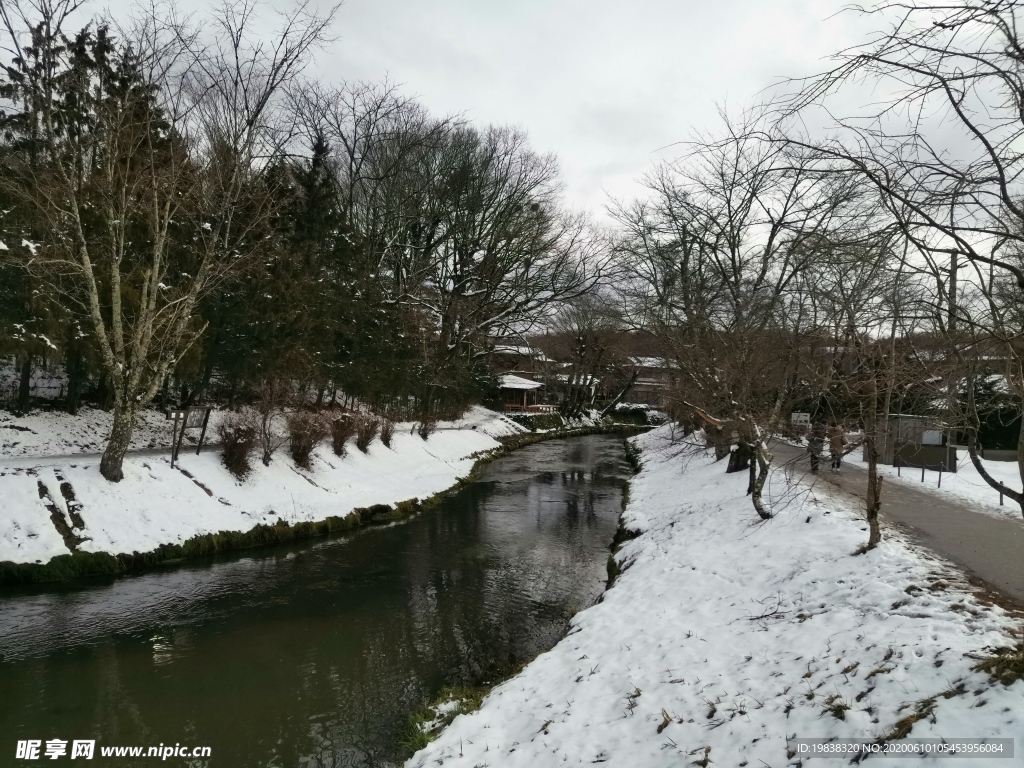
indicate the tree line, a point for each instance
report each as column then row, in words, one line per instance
column 185, row 213
column 848, row 256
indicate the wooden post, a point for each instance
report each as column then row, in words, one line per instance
column 176, row 415
column 206, row 420
column 181, row 436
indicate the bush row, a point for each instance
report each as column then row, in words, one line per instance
column 244, row 431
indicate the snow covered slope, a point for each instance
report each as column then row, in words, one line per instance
column 725, row 635
column 156, row 505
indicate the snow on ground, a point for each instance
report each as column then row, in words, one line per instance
column 489, row 422
column 725, row 635
column 155, row 504
column 26, row 533
column 965, row 484
column 56, row 433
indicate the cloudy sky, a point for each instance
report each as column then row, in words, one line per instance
column 604, row 85
column 607, row 86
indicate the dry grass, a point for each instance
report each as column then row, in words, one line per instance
column 1005, row 665
column 836, row 706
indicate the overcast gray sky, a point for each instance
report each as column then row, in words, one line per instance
column 604, row 85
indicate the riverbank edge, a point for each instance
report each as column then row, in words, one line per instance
column 65, row 569
column 428, row 721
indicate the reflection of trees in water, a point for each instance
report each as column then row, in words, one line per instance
column 315, row 660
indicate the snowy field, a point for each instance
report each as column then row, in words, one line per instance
column 725, row 635
column 963, row 485
column 56, row 433
column 156, row 505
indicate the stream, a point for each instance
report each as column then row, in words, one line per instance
column 315, row 654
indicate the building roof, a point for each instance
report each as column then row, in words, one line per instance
column 508, row 381
column 659, row 363
column 521, row 351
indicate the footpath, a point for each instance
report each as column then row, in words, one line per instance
column 989, row 547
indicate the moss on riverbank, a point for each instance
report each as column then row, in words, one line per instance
column 81, row 565
column 434, row 716
column 623, row 534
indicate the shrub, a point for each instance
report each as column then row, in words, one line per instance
column 305, row 431
column 269, row 411
column 366, row 430
column 387, row 432
column 427, row 427
column 342, row 429
column 238, row 436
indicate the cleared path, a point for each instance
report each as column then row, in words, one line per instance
column 991, row 548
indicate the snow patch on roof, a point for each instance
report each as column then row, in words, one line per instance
column 508, row 381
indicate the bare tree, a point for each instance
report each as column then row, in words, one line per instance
column 942, row 147
column 860, row 312
column 587, row 334
column 461, row 227
column 147, row 192
column 714, row 257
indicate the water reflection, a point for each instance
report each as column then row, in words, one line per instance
column 314, row 655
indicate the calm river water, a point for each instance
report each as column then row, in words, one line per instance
column 315, row 654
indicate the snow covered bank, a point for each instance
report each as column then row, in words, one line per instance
column 724, row 635
column 156, row 505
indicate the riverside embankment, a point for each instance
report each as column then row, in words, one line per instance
column 62, row 521
column 724, row 637
column 317, row 653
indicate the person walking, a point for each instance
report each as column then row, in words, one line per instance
column 815, row 444
column 836, row 441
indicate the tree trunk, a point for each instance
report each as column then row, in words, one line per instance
column 764, row 462
column 104, row 393
column 874, row 499
column 117, row 443
column 24, row 389
column 622, row 393
column 742, row 458
column 197, row 394
column 873, row 502
column 1020, row 460
column 973, row 425
column 716, row 439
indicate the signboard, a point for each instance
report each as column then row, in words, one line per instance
column 800, row 419
column 193, row 417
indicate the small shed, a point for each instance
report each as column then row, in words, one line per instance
column 517, row 393
column 917, row 441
